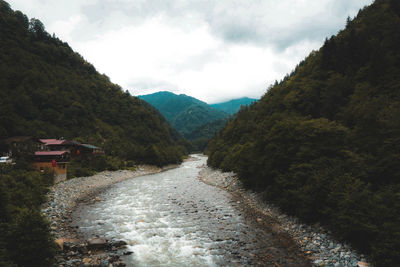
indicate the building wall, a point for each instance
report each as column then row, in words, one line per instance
column 60, row 171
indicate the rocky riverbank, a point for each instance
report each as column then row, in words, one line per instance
column 64, row 197
column 316, row 243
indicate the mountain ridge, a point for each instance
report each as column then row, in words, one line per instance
column 232, row 106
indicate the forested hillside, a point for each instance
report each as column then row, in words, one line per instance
column 194, row 119
column 324, row 143
column 200, row 136
column 184, row 112
column 47, row 90
column 232, row 106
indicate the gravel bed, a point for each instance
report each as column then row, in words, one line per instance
column 316, row 243
column 64, row 197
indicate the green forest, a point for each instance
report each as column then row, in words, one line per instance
column 324, row 143
column 201, row 135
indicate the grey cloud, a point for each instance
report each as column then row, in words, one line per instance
column 145, row 85
column 257, row 23
column 276, row 23
column 238, row 21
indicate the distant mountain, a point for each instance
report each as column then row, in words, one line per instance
column 233, row 106
column 184, row 112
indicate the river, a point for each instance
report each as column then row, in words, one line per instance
column 173, row 219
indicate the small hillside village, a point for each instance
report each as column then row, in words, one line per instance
column 53, row 154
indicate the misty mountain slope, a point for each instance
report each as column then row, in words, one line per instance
column 231, row 107
column 323, row 144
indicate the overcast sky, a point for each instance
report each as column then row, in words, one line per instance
column 214, row 50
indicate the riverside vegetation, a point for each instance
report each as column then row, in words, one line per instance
column 323, row 144
column 23, row 230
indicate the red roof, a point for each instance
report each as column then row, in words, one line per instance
column 52, row 141
column 50, row 153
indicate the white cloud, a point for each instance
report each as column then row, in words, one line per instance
column 212, row 50
column 65, row 28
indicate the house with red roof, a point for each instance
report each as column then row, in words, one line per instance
column 53, row 154
column 56, row 153
column 58, row 145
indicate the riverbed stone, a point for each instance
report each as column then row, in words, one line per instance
column 363, row 264
column 105, row 263
column 118, row 243
column 97, row 243
column 60, row 243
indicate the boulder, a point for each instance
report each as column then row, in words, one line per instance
column 118, row 243
column 86, row 260
column 60, row 243
column 97, row 244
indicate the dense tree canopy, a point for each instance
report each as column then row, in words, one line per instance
column 201, row 135
column 324, row 143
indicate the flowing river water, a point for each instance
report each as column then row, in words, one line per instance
column 173, row 219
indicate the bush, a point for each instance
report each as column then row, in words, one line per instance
column 29, row 242
column 25, row 238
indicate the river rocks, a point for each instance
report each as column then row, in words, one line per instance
column 63, row 199
column 93, row 252
column 60, row 243
column 97, row 243
column 105, row 263
column 316, row 243
column 119, row 243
